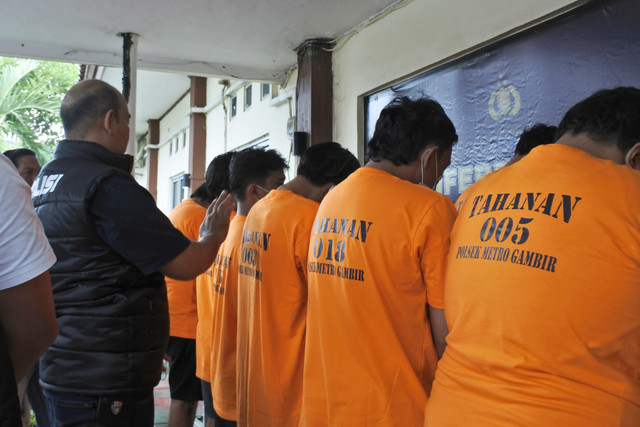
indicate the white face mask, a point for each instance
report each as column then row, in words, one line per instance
column 263, row 189
column 433, row 187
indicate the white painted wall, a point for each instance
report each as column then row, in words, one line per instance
column 415, row 38
column 140, row 174
column 261, row 119
column 172, row 162
column 266, row 118
column 215, row 119
column 216, row 143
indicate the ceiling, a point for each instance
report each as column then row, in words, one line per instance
column 243, row 39
column 156, row 93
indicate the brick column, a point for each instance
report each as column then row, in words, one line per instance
column 314, row 91
column 197, row 132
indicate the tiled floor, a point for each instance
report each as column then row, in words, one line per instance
column 163, row 401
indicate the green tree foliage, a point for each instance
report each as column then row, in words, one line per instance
column 30, row 96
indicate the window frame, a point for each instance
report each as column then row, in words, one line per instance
column 248, row 96
column 233, row 106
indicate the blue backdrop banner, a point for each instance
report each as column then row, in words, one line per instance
column 534, row 77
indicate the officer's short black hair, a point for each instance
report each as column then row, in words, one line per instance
column 87, row 102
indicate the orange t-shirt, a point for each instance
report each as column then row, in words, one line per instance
column 204, row 290
column 376, row 258
column 543, row 297
column 225, row 299
column 183, row 312
column 204, row 331
column 272, row 309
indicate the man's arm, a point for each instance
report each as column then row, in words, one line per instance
column 439, row 329
column 27, row 314
column 198, row 256
column 127, row 218
column 438, row 224
column 28, row 318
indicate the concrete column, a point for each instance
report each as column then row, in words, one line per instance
column 314, row 91
column 152, row 157
column 197, row 131
column 130, row 83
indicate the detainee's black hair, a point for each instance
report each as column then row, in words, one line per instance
column 609, row 116
column 538, row 134
column 202, row 193
column 327, row 162
column 406, row 126
column 252, row 166
column 216, row 177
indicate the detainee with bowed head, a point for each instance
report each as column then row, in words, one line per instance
column 543, row 282
column 216, row 181
column 185, row 387
column 113, row 247
column 272, row 288
column 376, row 264
column 253, row 173
column 530, row 138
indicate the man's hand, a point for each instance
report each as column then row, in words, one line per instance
column 216, row 221
column 200, row 255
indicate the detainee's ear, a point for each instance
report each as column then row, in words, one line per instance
column 430, row 153
column 430, row 165
column 632, row 158
column 253, row 190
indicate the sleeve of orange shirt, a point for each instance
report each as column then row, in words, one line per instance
column 192, row 222
column 437, row 224
column 225, row 317
column 302, row 254
column 186, row 217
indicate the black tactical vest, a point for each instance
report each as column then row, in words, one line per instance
column 114, row 322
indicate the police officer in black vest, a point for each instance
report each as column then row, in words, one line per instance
column 113, row 247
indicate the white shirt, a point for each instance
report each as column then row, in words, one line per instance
column 24, row 250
